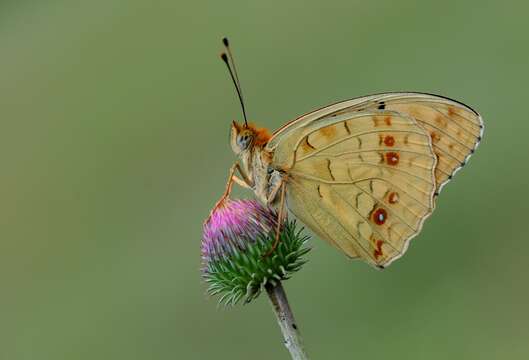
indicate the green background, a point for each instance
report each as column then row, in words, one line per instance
column 114, row 146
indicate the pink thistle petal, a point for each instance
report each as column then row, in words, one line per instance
column 234, row 224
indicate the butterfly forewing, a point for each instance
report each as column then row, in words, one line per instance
column 364, row 181
column 455, row 129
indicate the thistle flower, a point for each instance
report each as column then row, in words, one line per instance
column 237, row 237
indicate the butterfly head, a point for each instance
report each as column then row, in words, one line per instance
column 245, row 137
column 242, row 137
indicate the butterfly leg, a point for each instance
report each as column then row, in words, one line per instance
column 232, row 178
column 245, row 182
column 280, row 215
column 240, row 182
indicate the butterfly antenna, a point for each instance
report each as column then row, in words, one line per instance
column 234, row 77
column 230, row 57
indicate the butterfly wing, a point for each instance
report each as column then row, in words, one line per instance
column 364, row 181
column 455, row 129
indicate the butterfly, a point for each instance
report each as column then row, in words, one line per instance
column 362, row 174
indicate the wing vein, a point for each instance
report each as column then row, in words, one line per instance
column 345, row 138
column 366, row 150
column 341, row 225
column 374, row 230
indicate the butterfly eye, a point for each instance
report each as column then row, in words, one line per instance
column 244, row 140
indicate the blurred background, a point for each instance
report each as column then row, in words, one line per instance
column 114, row 147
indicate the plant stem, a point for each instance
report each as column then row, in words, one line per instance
column 285, row 319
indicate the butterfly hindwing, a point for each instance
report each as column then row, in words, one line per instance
column 363, row 181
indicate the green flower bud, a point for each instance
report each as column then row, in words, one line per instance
column 236, row 241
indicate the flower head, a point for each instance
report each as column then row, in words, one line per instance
column 237, row 237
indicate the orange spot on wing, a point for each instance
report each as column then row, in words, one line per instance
column 440, row 120
column 389, row 140
column 379, row 216
column 451, row 111
column 387, row 120
column 378, row 251
column 393, row 197
column 392, row 158
column 435, row 137
column 328, row 131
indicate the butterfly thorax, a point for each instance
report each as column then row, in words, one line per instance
column 256, row 163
